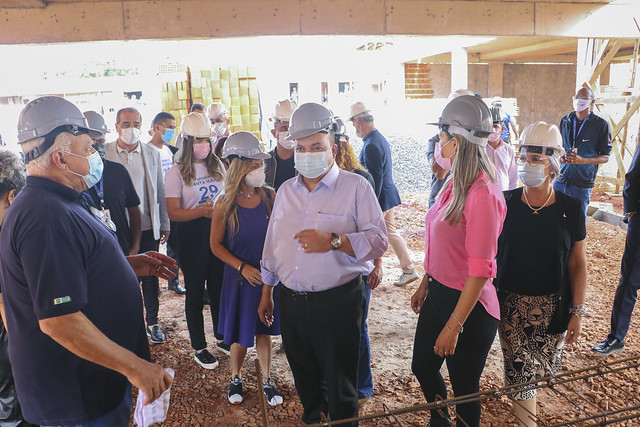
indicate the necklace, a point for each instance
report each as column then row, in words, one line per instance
column 247, row 195
column 535, row 211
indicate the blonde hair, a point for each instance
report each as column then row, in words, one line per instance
column 238, row 169
column 470, row 160
column 188, row 169
column 346, row 158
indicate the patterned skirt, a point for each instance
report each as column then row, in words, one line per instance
column 529, row 352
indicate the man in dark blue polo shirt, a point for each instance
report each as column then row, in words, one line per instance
column 587, row 142
column 376, row 157
column 72, row 300
column 114, row 194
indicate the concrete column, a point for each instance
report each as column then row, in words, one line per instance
column 459, row 69
column 496, row 72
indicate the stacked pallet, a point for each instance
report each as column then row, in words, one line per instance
column 234, row 86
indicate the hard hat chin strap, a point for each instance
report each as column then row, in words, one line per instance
column 50, row 138
column 469, row 135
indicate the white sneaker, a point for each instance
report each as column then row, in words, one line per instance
column 406, row 278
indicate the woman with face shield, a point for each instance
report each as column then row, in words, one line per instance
column 542, row 272
column 456, row 301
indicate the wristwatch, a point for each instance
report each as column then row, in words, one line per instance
column 336, row 241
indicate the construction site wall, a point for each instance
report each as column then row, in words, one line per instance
column 543, row 91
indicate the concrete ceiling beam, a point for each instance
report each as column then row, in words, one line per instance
column 23, row 4
column 87, row 20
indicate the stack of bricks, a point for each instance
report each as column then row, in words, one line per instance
column 234, row 86
column 417, row 83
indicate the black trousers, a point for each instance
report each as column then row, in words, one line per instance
column 200, row 268
column 321, row 337
column 150, row 287
column 466, row 365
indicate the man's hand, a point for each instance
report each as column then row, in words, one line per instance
column 153, row 263
column 314, row 240
column 152, row 379
column 572, row 157
column 164, row 236
column 265, row 309
column 375, row 277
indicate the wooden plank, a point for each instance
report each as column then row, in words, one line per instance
column 605, row 61
column 616, row 153
column 626, row 117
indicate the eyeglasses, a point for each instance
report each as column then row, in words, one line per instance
column 532, row 159
column 584, row 98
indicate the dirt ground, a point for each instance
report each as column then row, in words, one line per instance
column 198, row 396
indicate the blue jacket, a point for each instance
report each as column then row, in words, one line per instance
column 591, row 140
column 376, row 157
column 631, row 191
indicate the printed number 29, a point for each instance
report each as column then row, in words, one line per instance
column 208, row 193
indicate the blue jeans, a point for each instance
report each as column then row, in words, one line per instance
column 365, row 380
column 582, row 194
column 118, row 417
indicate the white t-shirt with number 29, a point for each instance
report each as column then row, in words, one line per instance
column 205, row 189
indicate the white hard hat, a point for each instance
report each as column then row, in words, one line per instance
column 309, row 119
column 468, row 116
column 283, row 110
column 196, row 125
column 47, row 117
column 245, row 145
column 358, row 109
column 544, row 135
column 216, row 111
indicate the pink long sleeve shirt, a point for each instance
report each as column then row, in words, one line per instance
column 468, row 248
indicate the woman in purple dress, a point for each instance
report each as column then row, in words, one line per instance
column 239, row 225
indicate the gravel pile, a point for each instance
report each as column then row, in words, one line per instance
column 411, row 171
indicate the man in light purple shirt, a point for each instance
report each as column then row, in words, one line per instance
column 502, row 155
column 326, row 228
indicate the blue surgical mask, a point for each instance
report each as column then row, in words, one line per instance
column 532, row 176
column 95, row 169
column 311, row 165
column 169, row 134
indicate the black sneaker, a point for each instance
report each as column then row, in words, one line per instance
column 223, row 348
column 235, row 394
column 177, row 288
column 274, row 397
column 608, row 346
column 206, row 359
column 156, row 334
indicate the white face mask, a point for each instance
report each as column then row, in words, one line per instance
column 220, row 129
column 287, row 144
column 130, row 136
column 581, row 104
column 532, row 176
column 311, row 165
column 255, row 178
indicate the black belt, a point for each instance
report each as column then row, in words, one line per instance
column 316, row 296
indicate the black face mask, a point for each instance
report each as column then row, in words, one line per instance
column 100, row 146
